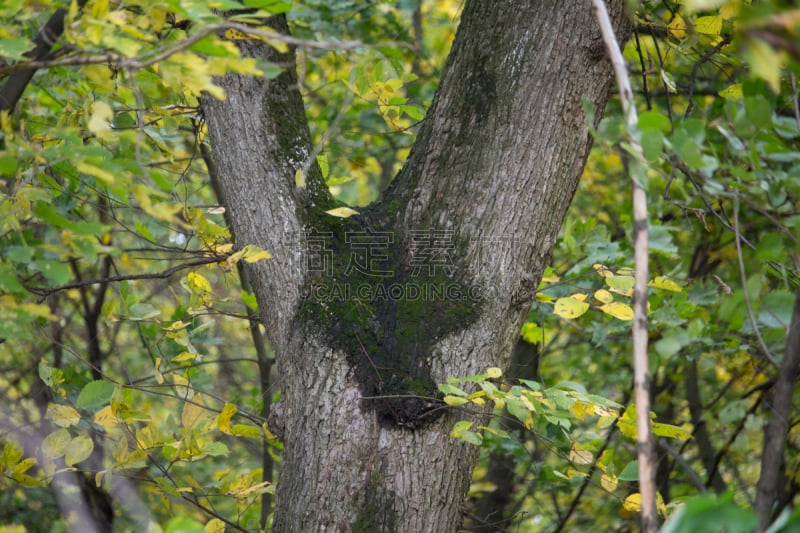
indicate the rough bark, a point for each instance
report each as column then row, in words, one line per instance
column 772, row 479
column 494, row 167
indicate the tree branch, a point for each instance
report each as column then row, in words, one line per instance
column 166, row 51
column 44, row 41
column 641, row 379
column 44, row 292
column 772, row 460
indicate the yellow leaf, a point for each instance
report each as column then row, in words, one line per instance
column 93, row 170
column 480, row 402
column 454, row 401
column 342, row 212
column 105, row 417
column 243, row 430
column 618, row 310
column 259, row 488
column 99, row 8
column 197, row 283
column 765, row 62
column 608, row 482
column 711, row 25
column 215, row 525
column 224, row 418
column 729, row 10
column 235, row 35
column 550, row 278
column 603, row 270
column 193, row 413
column 159, row 376
column 494, row 372
column 732, row 92
column 175, row 326
column 185, row 356
column 670, row 432
column 570, row 307
column 37, row 310
column 633, row 502
column 267, row 433
column 253, row 254
column 100, row 121
column 662, row 282
column 527, row 403
column 300, row 179
column 579, row 455
column 582, row 410
column 578, row 296
column 572, row 473
column 63, row 415
column 677, row 27
column 535, row 334
column 604, row 296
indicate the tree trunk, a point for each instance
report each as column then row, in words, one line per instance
column 446, row 260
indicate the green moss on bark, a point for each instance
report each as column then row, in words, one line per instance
column 377, row 513
column 388, row 316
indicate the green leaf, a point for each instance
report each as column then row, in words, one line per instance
column 451, row 390
column 15, row 47
column 56, row 443
column 79, row 450
column 759, row 110
column 630, row 472
column 55, row 271
column 654, row 120
column 670, row 432
column 652, row 141
column 181, row 524
column 142, row 312
column 8, row 279
column 95, row 394
column 671, row 343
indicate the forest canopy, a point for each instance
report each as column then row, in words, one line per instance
column 138, row 383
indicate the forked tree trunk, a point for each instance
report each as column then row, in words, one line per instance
column 486, row 186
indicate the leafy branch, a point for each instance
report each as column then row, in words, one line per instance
column 44, row 292
column 165, row 52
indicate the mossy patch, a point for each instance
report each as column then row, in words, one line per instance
column 385, row 297
column 377, row 513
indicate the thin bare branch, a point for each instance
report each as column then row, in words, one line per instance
column 641, row 379
column 47, row 291
column 745, row 292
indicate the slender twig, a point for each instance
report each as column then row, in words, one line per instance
column 47, row 291
column 795, row 103
column 696, row 67
column 641, row 379
column 745, row 292
column 586, row 480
